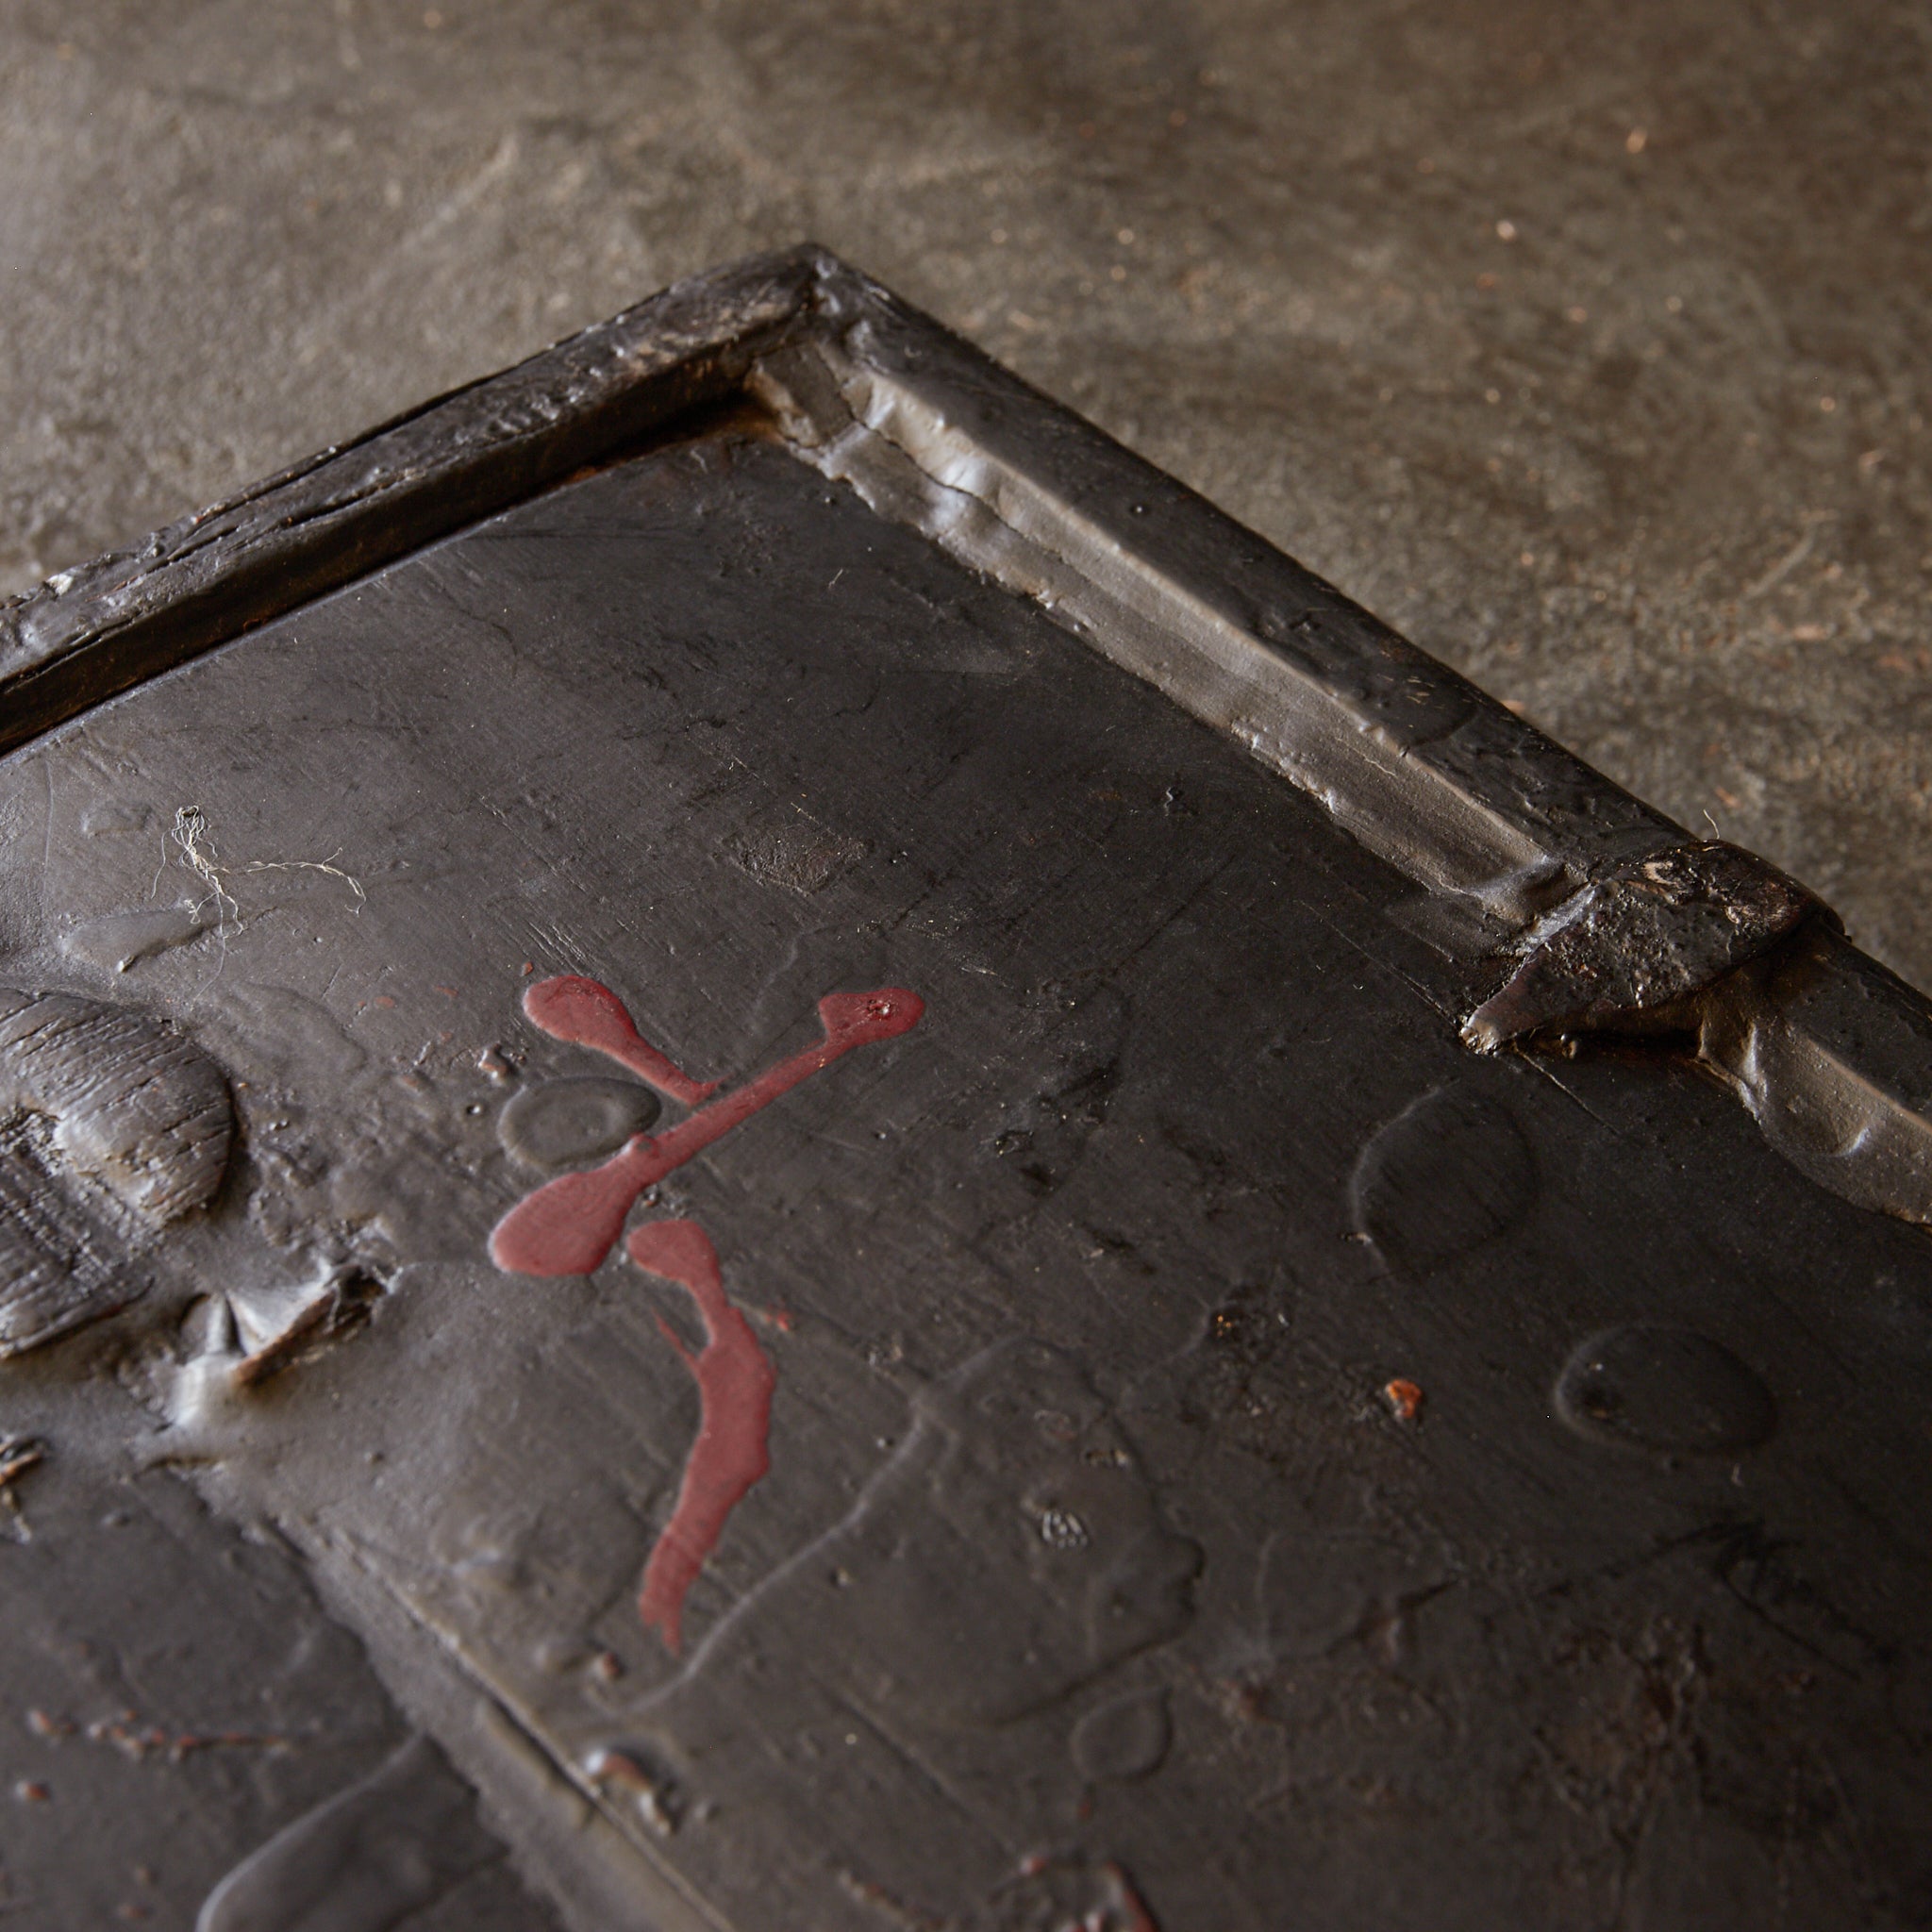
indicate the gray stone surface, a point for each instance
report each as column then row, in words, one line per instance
column 1588, row 345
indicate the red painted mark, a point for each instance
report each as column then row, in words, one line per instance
column 588, row 1013
column 569, row 1226
column 735, row 1384
column 1404, row 1397
column 1122, row 1910
column 1135, row 1917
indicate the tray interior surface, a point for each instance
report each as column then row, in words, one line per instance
column 1235, row 1456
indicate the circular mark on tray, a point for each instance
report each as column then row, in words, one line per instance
column 1449, row 1173
column 1125, row 1739
column 1662, row 1388
column 565, row 1123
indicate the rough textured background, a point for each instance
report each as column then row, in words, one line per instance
column 1588, row 345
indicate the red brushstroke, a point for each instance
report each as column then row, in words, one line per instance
column 569, row 1226
column 586, row 1013
column 735, row 1382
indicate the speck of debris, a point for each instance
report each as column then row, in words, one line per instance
column 1404, row 1397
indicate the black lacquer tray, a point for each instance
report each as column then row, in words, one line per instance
column 777, row 1152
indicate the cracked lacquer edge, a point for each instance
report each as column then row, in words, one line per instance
column 102, row 627
column 1574, row 906
column 568, row 1839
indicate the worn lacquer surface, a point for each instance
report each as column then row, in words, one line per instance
column 1113, row 1417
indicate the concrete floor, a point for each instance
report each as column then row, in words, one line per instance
column 1588, row 345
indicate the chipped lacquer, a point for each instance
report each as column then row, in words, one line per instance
column 776, row 1152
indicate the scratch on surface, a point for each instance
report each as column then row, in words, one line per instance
column 1782, row 568
column 557, row 938
column 1380, row 965
column 458, row 204
column 1539, row 1064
